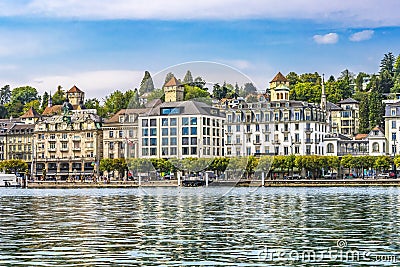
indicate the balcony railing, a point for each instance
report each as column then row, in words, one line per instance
column 309, row 141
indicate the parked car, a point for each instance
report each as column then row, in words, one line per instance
column 383, row 175
column 330, row 175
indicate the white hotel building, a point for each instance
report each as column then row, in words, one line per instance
column 277, row 127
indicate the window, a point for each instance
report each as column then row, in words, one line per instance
column 267, row 138
column 296, row 126
column 153, row 131
column 229, row 118
column 121, row 134
column 297, row 116
column 52, row 136
column 153, row 151
column 286, row 150
column 229, row 129
column 193, row 141
column 237, row 128
column 172, row 151
column 164, row 141
column 164, row 151
column 185, row 151
column 145, row 132
column 375, row 147
column 185, row 131
column 64, row 136
column 330, row 148
column 111, row 145
column 248, row 151
column 393, row 112
column 297, row 150
column 193, row 150
column 89, row 135
column 257, row 127
column 145, row 123
column 393, row 136
column 145, row 151
column 164, row 131
column 308, row 150
column 153, row 122
column 193, row 130
column 172, row 121
column 185, row 141
column 173, row 141
column 185, row 121
column 145, row 141
column 172, row 131
column 153, row 141
column 393, row 124
column 164, row 121
column 167, row 111
column 193, row 121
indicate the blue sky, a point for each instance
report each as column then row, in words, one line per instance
column 105, row 45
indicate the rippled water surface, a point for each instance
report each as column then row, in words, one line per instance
column 200, row 227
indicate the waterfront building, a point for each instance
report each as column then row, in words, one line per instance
column 392, row 127
column 181, row 129
column 277, row 127
column 69, row 144
column 344, row 117
column 120, row 134
column 373, row 144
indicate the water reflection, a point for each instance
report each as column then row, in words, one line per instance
column 188, row 226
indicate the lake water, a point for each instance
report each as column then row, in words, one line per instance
column 200, row 227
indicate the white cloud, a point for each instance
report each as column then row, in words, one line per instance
column 361, row 36
column 330, row 38
column 94, row 83
column 355, row 12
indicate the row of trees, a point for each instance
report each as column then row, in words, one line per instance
column 246, row 166
column 13, row 166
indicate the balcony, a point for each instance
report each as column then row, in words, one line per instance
column 64, row 149
column 297, row 141
column 308, row 130
column 276, row 142
column 76, row 148
column 285, row 131
column 257, row 142
column 266, row 131
column 53, row 149
column 309, row 141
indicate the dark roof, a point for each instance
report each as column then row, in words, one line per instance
column 153, row 103
column 189, row 108
column 331, row 106
column 172, row 82
column 279, row 78
column 31, row 113
column 348, row 101
column 74, row 89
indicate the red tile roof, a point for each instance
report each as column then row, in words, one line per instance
column 172, row 82
column 360, row 136
column 31, row 113
column 74, row 89
column 49, row 111
column 279, row 78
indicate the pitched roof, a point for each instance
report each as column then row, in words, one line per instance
column 189, row 107
column 331, row 106
column 348, row 101
column 279, row 78
column 360, row 136
column 74, row 89
column 123, row 112
column 31, row 113
column 377, row 128
column 172, row 82
column 49, row 111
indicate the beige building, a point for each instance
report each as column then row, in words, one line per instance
column 120, row 134
column 69, row 144
column 344, row 117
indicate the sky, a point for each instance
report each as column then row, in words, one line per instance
column 102, row 46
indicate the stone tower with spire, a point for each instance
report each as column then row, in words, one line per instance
column 323, row 95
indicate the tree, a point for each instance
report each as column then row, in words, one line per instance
column 168, row 77
column 117, row 101
column 33, row 104
column 192, row 92
column 13, row 166
column 107, row 165
column 359, row 80
column 220, row 92
column 156, row 94
column 147, row 84
column 386, row 82
column 249, row 88
column 59, row 96
column 293, row 78
column 3, row 112
column 199, row 82
column 387, row 63
column 364, row 125
column 23, row 95
column 306, row 91
column 5, row 95
column 188, row 79
column 133, row 97
column 314, row 78
column 382, row 163
column 93, row 103
column 376, row 107
column 45, row 101
column 120, row 166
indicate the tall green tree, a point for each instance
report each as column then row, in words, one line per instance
column 364, row 126
column 306, row 91
column 387, row 63
column 5, row 95
column 249, row 88
column 59, row 96
column 193, row 92
column 147, row 84
column 376, row 109
column 293, row 79
column 359, row 80
column 188, row 79
column 199, row 82
column 45, row 101
column 24, row 94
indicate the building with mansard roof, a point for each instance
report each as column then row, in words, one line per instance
column 277, row 127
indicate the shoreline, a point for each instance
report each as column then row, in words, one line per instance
column 241, row 183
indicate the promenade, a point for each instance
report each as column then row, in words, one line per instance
column 241, row 183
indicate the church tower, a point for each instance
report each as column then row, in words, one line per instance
column 323, row 95
column 173, row 90
column 279, row 88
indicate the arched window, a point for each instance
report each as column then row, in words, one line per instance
column 375, row 147
column 331, row 148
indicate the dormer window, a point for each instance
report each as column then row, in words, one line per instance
column 393, row 112
column 121, row 118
